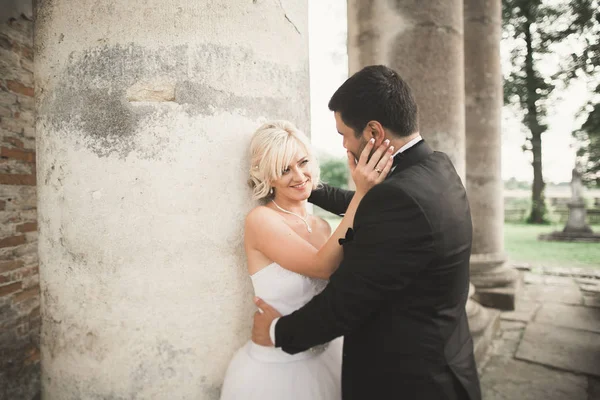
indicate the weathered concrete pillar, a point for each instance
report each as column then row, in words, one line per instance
column 145, row 110
column 494, row 280
column 423, row 41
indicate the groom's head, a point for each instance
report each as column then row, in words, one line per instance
column 374, row 103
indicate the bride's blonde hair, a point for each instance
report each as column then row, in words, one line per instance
column 272, row 148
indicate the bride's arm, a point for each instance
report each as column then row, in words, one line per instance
column 281, row 244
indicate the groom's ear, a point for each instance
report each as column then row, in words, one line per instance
column 376, row 131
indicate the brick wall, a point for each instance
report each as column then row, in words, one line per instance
column 19, row 278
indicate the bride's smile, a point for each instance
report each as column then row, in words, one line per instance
column 295, row 183
column 301, row 185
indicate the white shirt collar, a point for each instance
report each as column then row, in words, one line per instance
column 408, row 145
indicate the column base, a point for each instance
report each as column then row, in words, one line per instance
column 497, row 283
column 483, row 323
column 483, row 340
column 500, row 298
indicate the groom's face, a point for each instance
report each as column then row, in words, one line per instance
column 351, row 142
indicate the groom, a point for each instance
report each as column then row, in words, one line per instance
column 399, row 295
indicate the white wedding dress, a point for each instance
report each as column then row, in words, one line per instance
column 268, row 373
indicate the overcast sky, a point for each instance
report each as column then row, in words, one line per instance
column 328, row 69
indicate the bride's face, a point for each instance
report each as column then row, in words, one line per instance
column 296, row 181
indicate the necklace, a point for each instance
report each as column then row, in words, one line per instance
column 299, row 216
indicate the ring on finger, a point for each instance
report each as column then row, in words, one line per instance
column 378, row 170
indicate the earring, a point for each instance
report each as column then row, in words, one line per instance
column 271, row 191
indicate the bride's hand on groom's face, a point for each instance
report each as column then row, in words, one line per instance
column 262, row 322
column 369, row 171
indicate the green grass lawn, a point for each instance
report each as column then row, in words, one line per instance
column 522, row 246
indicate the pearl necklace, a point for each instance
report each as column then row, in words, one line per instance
column 299, row 216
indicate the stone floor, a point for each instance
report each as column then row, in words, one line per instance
column 549, row 347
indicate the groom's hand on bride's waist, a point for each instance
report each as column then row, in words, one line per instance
column 262, row 323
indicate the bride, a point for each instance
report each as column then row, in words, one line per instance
column 291, row 254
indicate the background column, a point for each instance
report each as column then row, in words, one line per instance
column 423, row 42
column 494, row 280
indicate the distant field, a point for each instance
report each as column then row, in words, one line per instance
column 522, row 246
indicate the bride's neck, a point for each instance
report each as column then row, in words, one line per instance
column 295, row 206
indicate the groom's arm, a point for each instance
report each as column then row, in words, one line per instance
column 332, row 199
column 392, row 243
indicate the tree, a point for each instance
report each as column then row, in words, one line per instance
column 537, row 28
column 528, row 23
column 582, row 28
column 588, row 152
column 335, row 172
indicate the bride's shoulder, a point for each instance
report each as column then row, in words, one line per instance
column 260, row 211
column 259, row 215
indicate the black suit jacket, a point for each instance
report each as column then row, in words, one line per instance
column 399, row 294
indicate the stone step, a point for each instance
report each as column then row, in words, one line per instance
column 563, row 348
column 574, row 317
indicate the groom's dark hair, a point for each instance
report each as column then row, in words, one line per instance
column 376, row 93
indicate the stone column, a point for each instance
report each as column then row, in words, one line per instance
column 494, row 280
column 145, row 110
column 423, row 41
